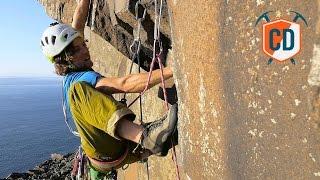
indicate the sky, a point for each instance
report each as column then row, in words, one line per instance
column 22, row 24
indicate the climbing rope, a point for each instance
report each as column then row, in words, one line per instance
column 157, row 56
column 136, row 44
column 157, row 52
column 135, row 51
column 157, row 49
column 75, row 133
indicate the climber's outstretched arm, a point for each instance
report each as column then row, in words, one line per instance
column 80, row 15
column 133, row 83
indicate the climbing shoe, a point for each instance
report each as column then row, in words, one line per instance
column 170, row 142
column 156, row 133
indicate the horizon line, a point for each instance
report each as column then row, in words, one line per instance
column 29, row 76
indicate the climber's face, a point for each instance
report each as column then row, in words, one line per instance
column 80, row 53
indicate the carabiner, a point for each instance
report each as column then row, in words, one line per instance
column 137, row 10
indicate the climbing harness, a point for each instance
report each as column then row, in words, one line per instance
column 83, row 169
column 105, row 166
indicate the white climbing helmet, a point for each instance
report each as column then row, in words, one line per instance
column 55, row 38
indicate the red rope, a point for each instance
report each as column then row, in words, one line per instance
column 173, row 150
column 147, row 84
column 174, row 155
column 163, row 82
column 174, row 158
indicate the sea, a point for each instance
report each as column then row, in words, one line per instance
column 32, row 124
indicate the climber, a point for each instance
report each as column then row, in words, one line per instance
column 105, row 126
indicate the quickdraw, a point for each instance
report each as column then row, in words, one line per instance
column 79, row 169
column 157, row 52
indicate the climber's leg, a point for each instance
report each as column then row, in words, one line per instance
column 96, row 108
column 91, row 107
column 129, row 130
column 153, row 135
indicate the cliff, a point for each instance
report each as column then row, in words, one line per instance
column 239, row 117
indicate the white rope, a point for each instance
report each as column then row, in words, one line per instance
column 157, row 22
column 160, row 15
column 65, row 113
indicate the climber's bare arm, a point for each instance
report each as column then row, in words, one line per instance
column 134, row 83
column 80, row 15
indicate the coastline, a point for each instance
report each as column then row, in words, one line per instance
column 58, row 167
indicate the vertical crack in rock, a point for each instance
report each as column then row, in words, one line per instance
column 60, row 10
column 314, row 80
column 314, row 75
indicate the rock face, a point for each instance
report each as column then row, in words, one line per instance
column 239, row 118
